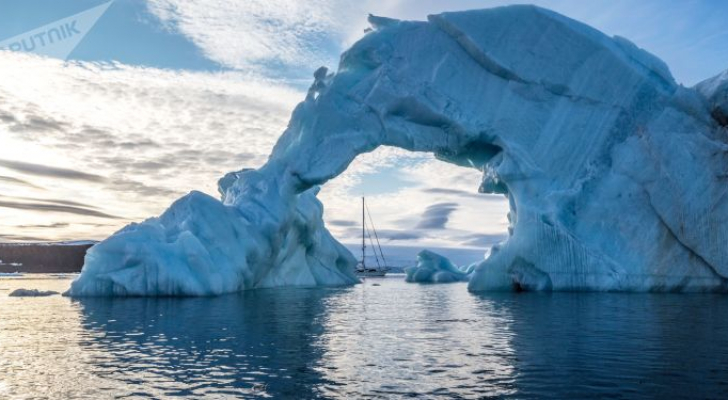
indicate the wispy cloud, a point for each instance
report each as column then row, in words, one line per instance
column 48, row 171
column 55, row 208
column 391, row 235
column 47, row 226
column 131, row 138
column 16, row 181
column 442, row 195
column 482, row 239
column 284, row 38
column 48, row 200
column 155, row 135
column 341, row 222
column 289, row 39
column 437, row 215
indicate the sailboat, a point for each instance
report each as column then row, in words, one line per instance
column 362, row 269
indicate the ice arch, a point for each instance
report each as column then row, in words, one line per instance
column 615, row 174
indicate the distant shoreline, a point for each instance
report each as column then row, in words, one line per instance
column 68, row 256
column 43, row 257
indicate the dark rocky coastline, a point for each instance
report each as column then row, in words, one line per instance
column 62, row 257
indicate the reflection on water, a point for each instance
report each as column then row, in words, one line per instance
column 255, row 343
column 403, row 339
column 388, row 341
column 581, row 345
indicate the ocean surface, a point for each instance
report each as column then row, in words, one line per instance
column 381, row 339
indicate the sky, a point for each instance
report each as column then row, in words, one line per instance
column 160, row 97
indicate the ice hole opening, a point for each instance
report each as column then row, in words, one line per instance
column 416, row 201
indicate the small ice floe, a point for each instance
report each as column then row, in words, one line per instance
column 11, row 264
column 9, row 274
column 63, row 275
column 31, row 293
column 434, row 268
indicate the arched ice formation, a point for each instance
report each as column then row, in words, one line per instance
column 615, row 174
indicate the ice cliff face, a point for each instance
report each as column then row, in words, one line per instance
column 616, row 175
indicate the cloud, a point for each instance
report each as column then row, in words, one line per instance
column 44, row 200
column 21, row 238
column 398, row 213
column 36, row 125
column 464, row 193
column 47, row 226
column 290, row 39
column 341, row 222
column 447, row 191
column 48, row 171
column 394, row 235
column 482, row 240
column 141, row 189
column 353, row 235
column 131, row 138
column 6, row 117
column 157, row 134
column 436, row 216
column 274, row 37
column 55, row 208
column 17, row 181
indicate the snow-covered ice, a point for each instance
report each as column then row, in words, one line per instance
column 434, row 268
column 615, row 174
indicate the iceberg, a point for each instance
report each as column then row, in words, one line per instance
column 434, row 268
column 715, row 91
column 31, row 293
column 615, row 174
column 201, row 247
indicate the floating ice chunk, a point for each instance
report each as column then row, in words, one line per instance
column 434, row 268
column 31, row 293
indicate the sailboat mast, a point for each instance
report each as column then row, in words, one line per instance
column 363, row 234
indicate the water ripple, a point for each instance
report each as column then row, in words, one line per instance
column 396, row 340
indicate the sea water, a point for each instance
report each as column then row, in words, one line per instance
column 381, row 339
